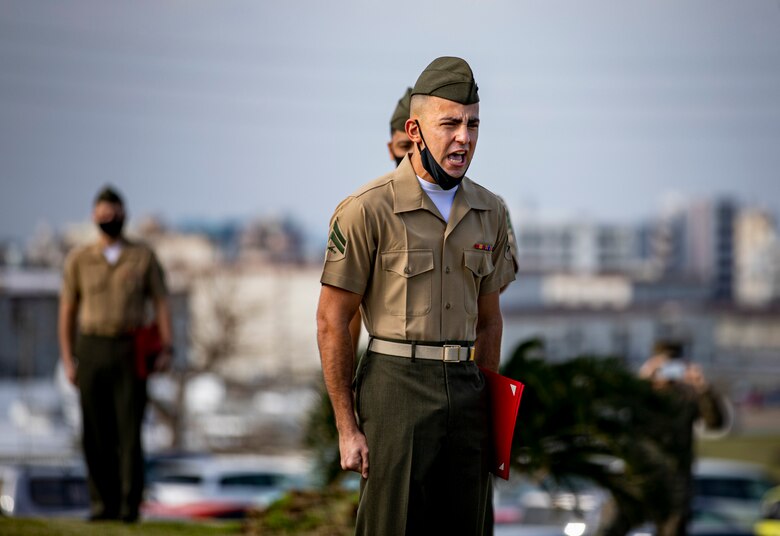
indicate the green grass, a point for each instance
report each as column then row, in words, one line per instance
column 763, row 449
column 71, row 527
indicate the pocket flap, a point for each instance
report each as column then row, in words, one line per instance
column 408, row 263
column 479, row 262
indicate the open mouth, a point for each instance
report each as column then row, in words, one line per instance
column 457, row 158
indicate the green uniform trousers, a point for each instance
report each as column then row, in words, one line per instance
column 426, row 427
column 112, row 408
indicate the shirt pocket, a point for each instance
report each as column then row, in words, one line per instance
column 478, row 265
column 95, row 280
column 408, row 281
column 130, row 280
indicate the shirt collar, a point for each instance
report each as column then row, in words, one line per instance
column 409, row 195
column 96, row 248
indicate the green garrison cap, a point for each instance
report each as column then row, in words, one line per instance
column 401, row 113
column 449, row 78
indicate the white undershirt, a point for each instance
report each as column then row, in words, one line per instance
column 112, row 252
column 441, row 198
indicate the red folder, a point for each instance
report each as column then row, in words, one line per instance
column 148, row 346
column 504, row 396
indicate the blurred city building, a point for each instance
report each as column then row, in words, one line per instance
column 697, row 242
column 705, row 250
column 734, row 345
column 757, row 258
column 271, row 241
column 577, row 247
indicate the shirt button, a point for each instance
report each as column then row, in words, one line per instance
column 447, row 270
column 407, row 270
column 447, row 306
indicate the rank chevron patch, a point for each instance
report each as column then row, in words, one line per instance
column 337, row 244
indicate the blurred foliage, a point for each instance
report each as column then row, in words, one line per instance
column 327, row 512
column 322, row 439
column 591, row 417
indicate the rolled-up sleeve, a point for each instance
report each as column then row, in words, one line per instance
column 70, row 291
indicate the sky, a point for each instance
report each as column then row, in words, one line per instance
column 221, row 110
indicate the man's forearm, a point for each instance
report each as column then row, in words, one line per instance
column 67, row 319
column 336, row 309
column 336, row 353
column 163, row 314
column 490, row 326
column 488, row 345
column 65, row 328
column 354, row 333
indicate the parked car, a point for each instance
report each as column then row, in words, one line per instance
column 730, row 491
column 56, row 489
column 769, row 524
column 220, row 487
column 571, row 508
column 726, row 498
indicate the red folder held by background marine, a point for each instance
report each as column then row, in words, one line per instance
column 148, row 346
column 504, row 395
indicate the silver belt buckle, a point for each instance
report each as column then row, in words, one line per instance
column 451, row 352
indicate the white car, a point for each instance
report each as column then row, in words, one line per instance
column 526, row 508
column 221, row 487
column 40, row 489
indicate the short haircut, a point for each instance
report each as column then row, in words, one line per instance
column 109, row 195
column 672, row 348
column 417, row 102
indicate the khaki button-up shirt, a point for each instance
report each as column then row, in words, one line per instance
column 112, row 298
column 420, row 277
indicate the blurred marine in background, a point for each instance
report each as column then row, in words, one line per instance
column 691, row 399
column 105, row 290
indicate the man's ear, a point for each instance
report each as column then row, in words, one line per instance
column 390, row 150
column 413, row 131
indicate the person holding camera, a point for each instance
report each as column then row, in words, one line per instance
column 692, row 398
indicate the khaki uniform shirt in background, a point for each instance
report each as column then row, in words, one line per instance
column 511, row 238
column 419, row 276
column 112, row 299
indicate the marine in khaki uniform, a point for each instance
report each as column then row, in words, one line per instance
column 398, row 147
column 105, row 290
column 423, row 252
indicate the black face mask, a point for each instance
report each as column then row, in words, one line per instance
column 442, row 178
column 112, row 228
column 398, row 160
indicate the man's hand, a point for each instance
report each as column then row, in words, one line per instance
column 69, row 367
column 694, row 376
column 354, row 453
column 163, row 361
column 650, row 367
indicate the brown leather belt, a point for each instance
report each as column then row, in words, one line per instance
column 446, row 352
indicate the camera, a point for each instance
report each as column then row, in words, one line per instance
column 673, row 370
